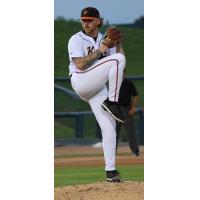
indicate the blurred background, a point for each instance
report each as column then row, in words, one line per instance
column 74, row 121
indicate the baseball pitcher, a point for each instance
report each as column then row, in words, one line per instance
column 96, row 59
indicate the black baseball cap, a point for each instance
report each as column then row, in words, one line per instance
column 89, row 13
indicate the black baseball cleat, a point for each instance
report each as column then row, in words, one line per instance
column 113, row 176
column 113, row 109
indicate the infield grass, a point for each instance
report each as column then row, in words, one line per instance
column 76, row 175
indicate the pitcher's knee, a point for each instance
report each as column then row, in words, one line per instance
column 121, row 60
column 120, row 57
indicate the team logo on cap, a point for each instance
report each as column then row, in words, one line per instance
column 85, row 12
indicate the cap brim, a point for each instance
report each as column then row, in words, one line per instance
column 88, row 17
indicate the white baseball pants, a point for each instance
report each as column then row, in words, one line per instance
column 90, row 86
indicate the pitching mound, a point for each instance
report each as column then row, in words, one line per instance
column 102, row 190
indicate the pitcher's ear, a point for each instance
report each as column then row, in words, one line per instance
column 101, row 22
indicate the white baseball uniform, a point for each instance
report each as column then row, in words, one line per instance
column 90, row 85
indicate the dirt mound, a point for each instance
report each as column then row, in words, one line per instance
column 127, row 190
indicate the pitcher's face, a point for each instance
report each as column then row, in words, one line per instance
column 90, row 25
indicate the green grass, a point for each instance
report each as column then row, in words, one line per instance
column 65, row 127
column 63, row 131
column 74, row 175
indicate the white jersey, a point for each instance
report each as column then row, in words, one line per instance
column 81, row 45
